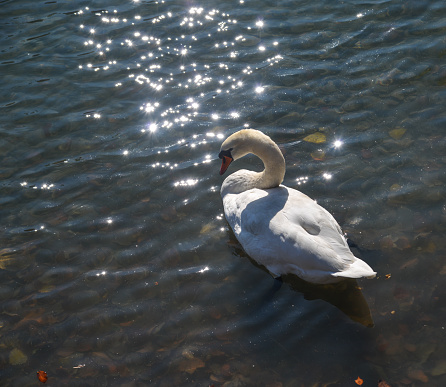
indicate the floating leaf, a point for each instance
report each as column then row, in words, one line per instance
column 397, row 133
column 440, row 368
column 190, row 365
column 418, row 375
column 402, row 243
column 47, row 289
column 359, row 381
column 207, row 228
column 318, row 155
column 382, row 383
column 431, row 247
column 17, row 357
column 410, row 347
column 127, row 323
column 316, row 138
column 5, row 257
column 42, row 376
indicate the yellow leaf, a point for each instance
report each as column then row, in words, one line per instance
column 397, row 133
column 47, row 289
column 4, row 262
column 16, row 357
column 207, row 228
column 6, row 255
column 316, row 138
column 319, row 155
column 190, row 365
column 431, row 247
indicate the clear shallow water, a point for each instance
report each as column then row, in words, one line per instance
column 117, row 267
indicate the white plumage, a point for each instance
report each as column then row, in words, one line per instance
column 280, row 227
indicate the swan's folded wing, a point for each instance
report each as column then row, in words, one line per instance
column 319, row 224
column 245, row 213
column 283, row 228
column 288, row 232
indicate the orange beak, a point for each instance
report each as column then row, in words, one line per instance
column 225, row 161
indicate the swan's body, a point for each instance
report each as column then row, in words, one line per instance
column 280, row 227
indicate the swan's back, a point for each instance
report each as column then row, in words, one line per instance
column 287, row 232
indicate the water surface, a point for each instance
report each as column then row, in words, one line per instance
column 117, row 266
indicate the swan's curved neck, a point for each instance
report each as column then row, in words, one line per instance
column 274, row 162
column 257, row 143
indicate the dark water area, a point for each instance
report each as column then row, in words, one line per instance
column 117, row 266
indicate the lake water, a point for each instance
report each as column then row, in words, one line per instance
column 117, row 266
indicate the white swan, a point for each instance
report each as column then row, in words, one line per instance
column 280, row 227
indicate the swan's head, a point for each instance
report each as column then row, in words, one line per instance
column 238, row 145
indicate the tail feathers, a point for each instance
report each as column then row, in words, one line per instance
column 357, row 269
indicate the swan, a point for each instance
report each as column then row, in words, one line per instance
column 279, row 227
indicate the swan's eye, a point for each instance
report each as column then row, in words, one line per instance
column 225, row 153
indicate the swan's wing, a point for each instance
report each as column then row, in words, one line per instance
column 288, row 232
column 320, row 226
column 245, row 213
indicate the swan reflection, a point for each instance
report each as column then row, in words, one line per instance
column 345, row 295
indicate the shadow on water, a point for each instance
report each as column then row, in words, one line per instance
column 345, row 295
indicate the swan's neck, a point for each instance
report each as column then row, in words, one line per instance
column 272, row 176
column 274, row 162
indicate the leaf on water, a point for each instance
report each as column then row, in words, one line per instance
column 4, row 262
column 402, row 243
column 33, row 314
column 395, row 187
column 207, row 228
column 439, row 368
column 418, row 375
column 383, row 383
column 410, row 263
column 191, row 365
column 316, row 138
column 47, row 289
column 397, row 133
column 188, row 354
column 156, row 329
column 431, row 247
column 127, row 323
column 318, row 155
column 16, row 357
column 359, row 381
column 42, row 376
column 6, row 252
column 6, row 255
column 216, row 379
